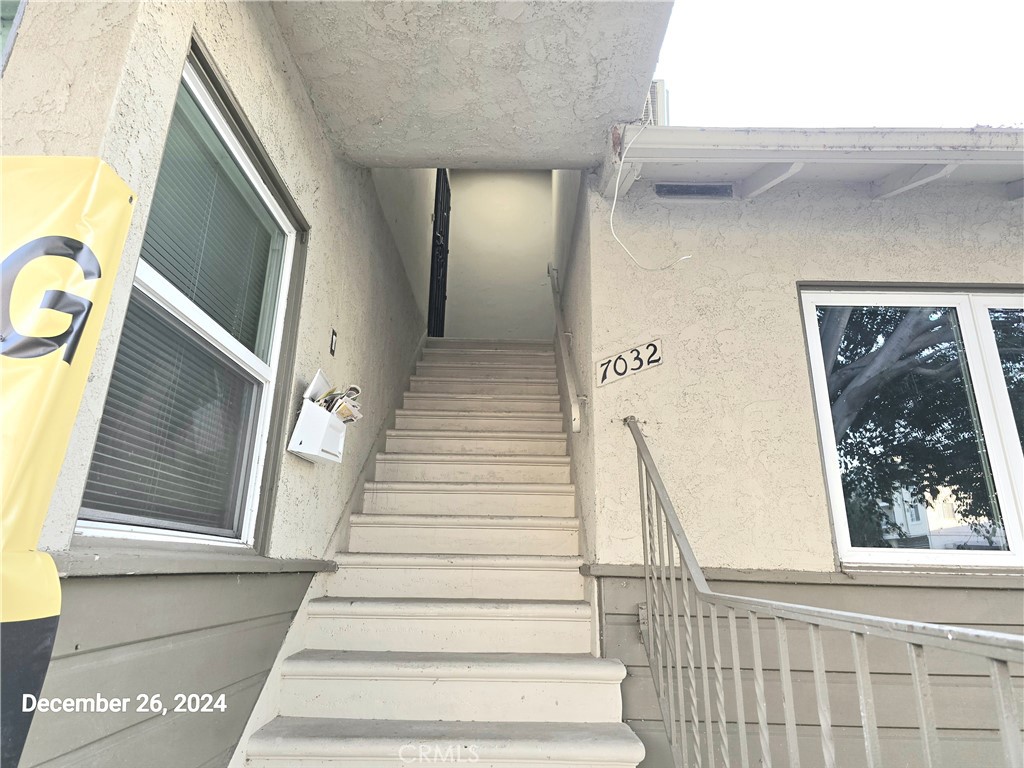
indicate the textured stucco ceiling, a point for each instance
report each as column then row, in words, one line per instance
column 464, row 84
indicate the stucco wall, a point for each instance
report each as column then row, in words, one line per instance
column 501, row 242
column 729, row 415
column 577, row 314
column 124, row 65
column 407, row 198
column 565, row 192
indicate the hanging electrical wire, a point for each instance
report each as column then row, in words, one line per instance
column 615, row 198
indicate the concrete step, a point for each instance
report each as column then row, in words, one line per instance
column 424, row 401
column 472, row 687
column 496, row 345
column 465, row 534
column 479, row 386
column 450, row 625
column 486, row 371
column 456, row 467
column 487, row 577
column 469, row 421
column 328, row 742
column 493, row 443
column 534, row 499
column 462, row 356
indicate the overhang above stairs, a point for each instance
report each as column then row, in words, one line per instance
column 495, row 84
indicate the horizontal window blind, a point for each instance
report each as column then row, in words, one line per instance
column 175, row 436
column 209, row 234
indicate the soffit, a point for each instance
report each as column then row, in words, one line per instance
column 492, row 85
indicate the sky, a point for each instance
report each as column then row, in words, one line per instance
column 858, row 63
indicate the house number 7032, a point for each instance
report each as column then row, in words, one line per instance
column 634, row 360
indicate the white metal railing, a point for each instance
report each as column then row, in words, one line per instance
column 672, row 623
column 563, row 340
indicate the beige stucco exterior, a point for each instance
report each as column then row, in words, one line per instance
column 501, row 240
column 729, row 414
column 354, row 281
column 407, row 199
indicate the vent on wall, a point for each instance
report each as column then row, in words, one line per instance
column 694, row 191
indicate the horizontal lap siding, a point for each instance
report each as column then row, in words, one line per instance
column 122, row 636
column 963, row 699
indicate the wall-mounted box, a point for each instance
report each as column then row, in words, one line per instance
column 319, row 435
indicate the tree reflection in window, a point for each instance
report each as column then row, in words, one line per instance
column 905, row 421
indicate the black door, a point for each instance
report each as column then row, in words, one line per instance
column 439, row 255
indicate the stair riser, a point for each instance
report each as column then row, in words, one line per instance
column 427, row 402
column 424, row 503
column 482, row 423
column 484, row 372
column 514, row 634
column 467, row 357
column 475, row 445
column 471, row 472
column 459, row 583
column 499, row 345
column 444, row 756
column 462, row 540
column 483, row 387
column 474, row 700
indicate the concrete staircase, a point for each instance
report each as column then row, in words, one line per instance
column 455, row 629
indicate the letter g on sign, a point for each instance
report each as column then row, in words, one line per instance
column 14, row 344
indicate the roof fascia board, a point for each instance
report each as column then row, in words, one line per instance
column 905, row 146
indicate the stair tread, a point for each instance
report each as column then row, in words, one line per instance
column 437, row 342
column 575, row 666
column 434, row 560
column 473, row 458
column 476, row 521
column 549, row 350
column 430, row 486
column 483, row 396
column 327, row 736
column 512, row 415
column 457, row 435
column 477, row 380
column 449, row 606
column 546, row 365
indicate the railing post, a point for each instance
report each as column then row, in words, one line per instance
column 788, row 708
column 716, row 649
column 737, row 680
column 759, row 697
column 708, row 732
column 866, row 694
column 925, row 705
column 828, row 747
column 1009, row 724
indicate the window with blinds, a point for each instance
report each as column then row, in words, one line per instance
column 177, row 445
column 174, row 439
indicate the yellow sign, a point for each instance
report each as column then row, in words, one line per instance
column 65, row 220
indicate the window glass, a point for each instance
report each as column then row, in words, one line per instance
column 174, row 439
column 8, row 14
column 907, row 429
column 209, row 234
column 8, row 10
column 1008, row 327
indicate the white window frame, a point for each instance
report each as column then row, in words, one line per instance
column 995, row 414
column 5, row 55
column 178, row 305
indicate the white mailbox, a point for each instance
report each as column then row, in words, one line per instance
column 319, row 435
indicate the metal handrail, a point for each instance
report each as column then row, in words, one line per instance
column 568, row 371
column 677, row 593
